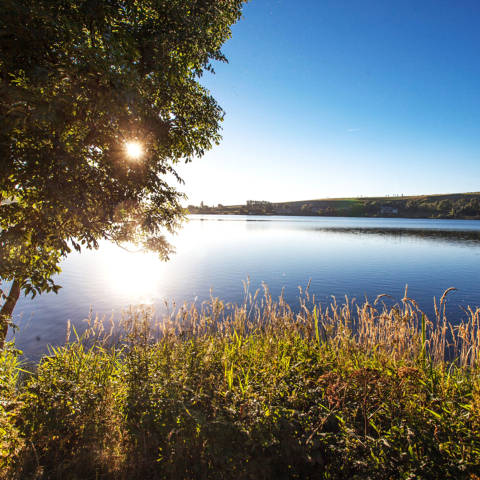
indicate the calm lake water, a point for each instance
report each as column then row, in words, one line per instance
column 342, row 256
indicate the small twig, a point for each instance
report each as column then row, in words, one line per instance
column 375, row 412
column 35, row 452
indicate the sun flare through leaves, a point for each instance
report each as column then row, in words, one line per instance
column 134, row 150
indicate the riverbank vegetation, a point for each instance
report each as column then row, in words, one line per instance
column 253, row 391
column 453, row 206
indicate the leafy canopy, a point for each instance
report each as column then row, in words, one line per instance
column 81, row 80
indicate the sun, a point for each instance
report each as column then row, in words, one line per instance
column 134, row 150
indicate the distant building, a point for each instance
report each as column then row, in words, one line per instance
column 388, row 210
column 314, row 210
column 284, row 210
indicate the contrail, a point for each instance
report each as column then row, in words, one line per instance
column 355, row 129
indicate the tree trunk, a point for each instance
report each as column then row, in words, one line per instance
column 7, row 310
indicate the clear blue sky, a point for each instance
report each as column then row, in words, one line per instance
column 345, row 98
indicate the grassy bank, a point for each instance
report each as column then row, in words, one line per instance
column 253, row 391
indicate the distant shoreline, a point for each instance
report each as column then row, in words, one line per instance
column 329, row 216
column 456, row 206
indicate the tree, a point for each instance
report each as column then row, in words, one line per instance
column 99, row 99
column 412, row 206
column 357, row 209
column 304, row 208
column 372, row 207
column 445, row 205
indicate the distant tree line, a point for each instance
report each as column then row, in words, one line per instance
column 202, row 208
column 461, row 208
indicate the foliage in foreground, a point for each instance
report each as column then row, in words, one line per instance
column 250, row 392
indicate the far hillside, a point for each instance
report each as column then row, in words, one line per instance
column 454, row 206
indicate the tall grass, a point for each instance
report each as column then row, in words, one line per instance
column 252, row 391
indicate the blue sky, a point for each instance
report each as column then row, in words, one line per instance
column 345, row 98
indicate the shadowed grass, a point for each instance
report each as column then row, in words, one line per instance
column 253, row 391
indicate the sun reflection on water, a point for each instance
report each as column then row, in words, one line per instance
column 131, row 274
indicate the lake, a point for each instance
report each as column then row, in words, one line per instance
column 342, row 256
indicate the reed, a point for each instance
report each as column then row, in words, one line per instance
column 256, row 390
